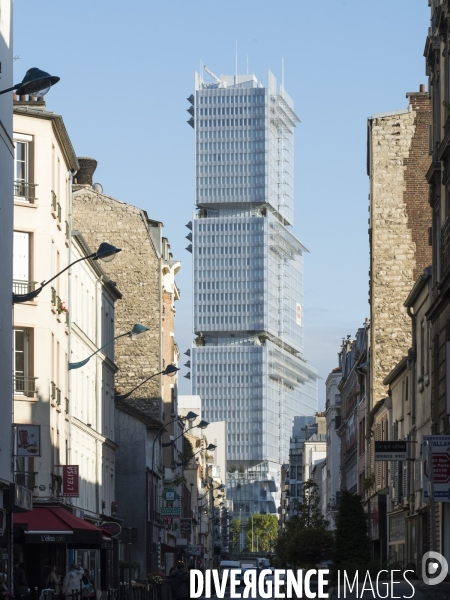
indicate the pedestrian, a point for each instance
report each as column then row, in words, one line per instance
column 53, row 580
column 179, row 583
column 88, row 590
column 72, row 581
column 20, row 584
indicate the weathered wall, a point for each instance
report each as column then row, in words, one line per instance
column 399, row 221
column 136, row 270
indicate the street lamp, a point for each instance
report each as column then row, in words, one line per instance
column 105, row 252
column 137, row 331
column 185, row 462
column 202, row 425
column 191, row 415
column 35, row 83
column 169, row 370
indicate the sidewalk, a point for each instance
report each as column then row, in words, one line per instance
column 434, row 592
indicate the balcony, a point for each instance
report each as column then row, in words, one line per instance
column 23, row 287
column 58, row 396
column 25, row 192
column 58, row 211
column 66, row 410
column 24, row 386
column 54, row 203
column 26, row 479
column 56, row 484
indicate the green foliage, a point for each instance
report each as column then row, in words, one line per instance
column 188, row 450
column 308, row 508
column 241, row 469
column 235, row 532
column 352, row 549
column 306, row 540
column 265, row 532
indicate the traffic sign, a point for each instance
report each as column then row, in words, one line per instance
column 439, row 445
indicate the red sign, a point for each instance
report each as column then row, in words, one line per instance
column 70, row 481
column 441, row 467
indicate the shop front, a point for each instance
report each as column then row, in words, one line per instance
column 52, row 536
column 397, row 539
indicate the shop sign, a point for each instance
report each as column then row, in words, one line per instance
column 48, row 538
column 28, row 440
column 170, row 511
column 390, row 450
column 195, row 549
column 396, row 528
column 113, row 528
column 185, row 526
column 439, row 447
column 170, row 495
column 70, row 481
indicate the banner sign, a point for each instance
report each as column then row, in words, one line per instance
column 28, row 440
column 70, row 481
column 390, row 450
column 113, row 528
column 195, row 549
column 298, row 314
column 185, row 526
column 437, row 446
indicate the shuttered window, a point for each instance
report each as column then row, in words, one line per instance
column 21, row 260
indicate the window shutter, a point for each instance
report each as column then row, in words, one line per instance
column 405, row 481
column 399, row 482
column 378, row 469
column 447, row 376
column 21, row 261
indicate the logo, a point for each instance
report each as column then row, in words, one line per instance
column 434, row 568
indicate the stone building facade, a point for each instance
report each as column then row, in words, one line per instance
column 139, row 270
column 398, row 160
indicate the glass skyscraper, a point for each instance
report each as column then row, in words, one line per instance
column 246, row 360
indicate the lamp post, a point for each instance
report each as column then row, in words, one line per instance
column 169, row 370
column 189, row 416
column 35, row 83
column 105, row 252
column 137, row 331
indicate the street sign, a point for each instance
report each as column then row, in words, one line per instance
column 113, row 528
column 395, row 450
column 440, row 449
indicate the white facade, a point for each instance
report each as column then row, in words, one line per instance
column 333, row 469
column 92, row 444
column 43, row 161
column 6, row 246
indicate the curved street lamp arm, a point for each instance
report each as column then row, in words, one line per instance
column 167, row 444
column 81, row 363
column 119, row 398
column 18, row 298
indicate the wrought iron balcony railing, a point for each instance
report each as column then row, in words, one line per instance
column 23, row 287
column 24, row 386
column 53, row 201
column 25, row 191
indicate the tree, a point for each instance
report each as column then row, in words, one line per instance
column 265, row 531
column 306, row 540
column 235, row 533
column 352, row 549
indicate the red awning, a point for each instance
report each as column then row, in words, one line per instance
column 58, row 526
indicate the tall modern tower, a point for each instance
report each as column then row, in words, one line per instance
column 247, row 362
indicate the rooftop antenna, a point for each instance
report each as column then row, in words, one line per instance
column 236, row 60
column 282, row 73
column 247, row 64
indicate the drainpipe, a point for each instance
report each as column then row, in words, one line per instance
column 69, row 391
column 412, row 436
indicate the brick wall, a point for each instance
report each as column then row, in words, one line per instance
column 136, row 270
column 399, row 219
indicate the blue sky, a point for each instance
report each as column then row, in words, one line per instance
column 127, row 68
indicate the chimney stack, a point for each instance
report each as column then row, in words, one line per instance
column 86, row 170
column 422, row 88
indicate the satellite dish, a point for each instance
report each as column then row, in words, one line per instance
column 98, row 187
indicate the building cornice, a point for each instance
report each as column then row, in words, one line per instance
column 59, row 130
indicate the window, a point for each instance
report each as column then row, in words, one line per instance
column 21, row 262
column 23, row 385
column 23, row 190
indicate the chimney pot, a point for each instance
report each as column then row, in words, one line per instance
column 86, row 170
column 422, row 87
